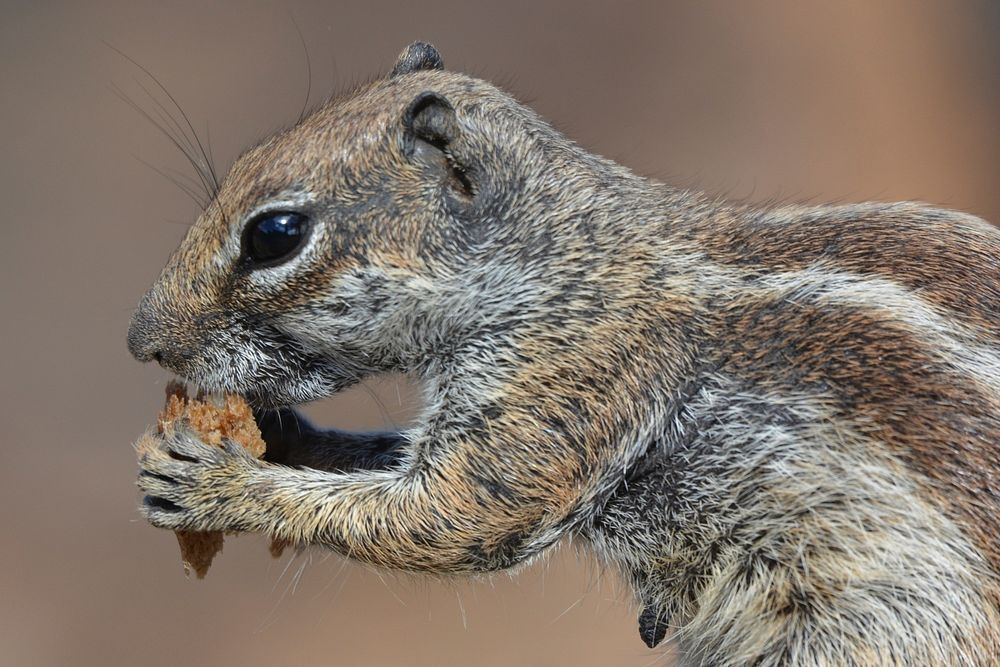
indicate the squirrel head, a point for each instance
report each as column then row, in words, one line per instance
column 356, row 241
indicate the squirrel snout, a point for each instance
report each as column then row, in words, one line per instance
column 143, row 342
column 171, row 337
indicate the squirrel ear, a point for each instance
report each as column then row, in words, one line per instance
column 430, row 118
column 430, row 132
column 417, row 56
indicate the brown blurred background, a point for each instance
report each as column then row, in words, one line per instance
column 761, row 100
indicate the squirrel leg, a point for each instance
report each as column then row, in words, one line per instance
column 468, row 504
column 293, row 441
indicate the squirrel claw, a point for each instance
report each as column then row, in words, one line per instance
column 652, row 625
column 182, row 480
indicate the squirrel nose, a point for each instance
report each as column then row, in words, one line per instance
column 142, row 347
column 143, row 342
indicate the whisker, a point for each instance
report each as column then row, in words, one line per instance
column 163, row 130
column 187, row 180
column 297, row 577
column 208, row 146
column 298, row 424
column 190, row 151
column 176, row 180
column 272, row 614
column 167, row 117
column 309, row 77
column 387, row 421
column 184, row 116
column 341, row 577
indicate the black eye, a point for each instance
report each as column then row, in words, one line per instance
column 272, row 237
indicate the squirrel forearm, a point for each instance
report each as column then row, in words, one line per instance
column 433, row 520
column 293, row 441
column 343, row 451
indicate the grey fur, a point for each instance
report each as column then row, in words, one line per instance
column 780, row 425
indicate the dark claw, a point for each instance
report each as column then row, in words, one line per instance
column 161, row 504
column 186, row 447
column 162, row 478
column 652, row 625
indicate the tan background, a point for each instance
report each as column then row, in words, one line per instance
column 800, row 100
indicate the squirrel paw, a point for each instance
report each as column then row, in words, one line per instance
column 187, row 484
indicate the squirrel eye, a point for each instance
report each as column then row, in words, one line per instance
column 273, row 237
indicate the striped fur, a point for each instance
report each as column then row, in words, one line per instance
column 780, row 425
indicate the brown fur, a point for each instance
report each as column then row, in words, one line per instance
column 780, row 425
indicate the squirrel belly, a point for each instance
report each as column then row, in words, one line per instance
column 780, row 425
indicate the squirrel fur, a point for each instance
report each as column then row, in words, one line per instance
column 780, row 424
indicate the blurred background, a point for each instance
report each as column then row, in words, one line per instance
column 783, row 100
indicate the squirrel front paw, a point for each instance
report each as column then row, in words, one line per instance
column 187, row 484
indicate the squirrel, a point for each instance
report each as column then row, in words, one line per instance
column 779, row 424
